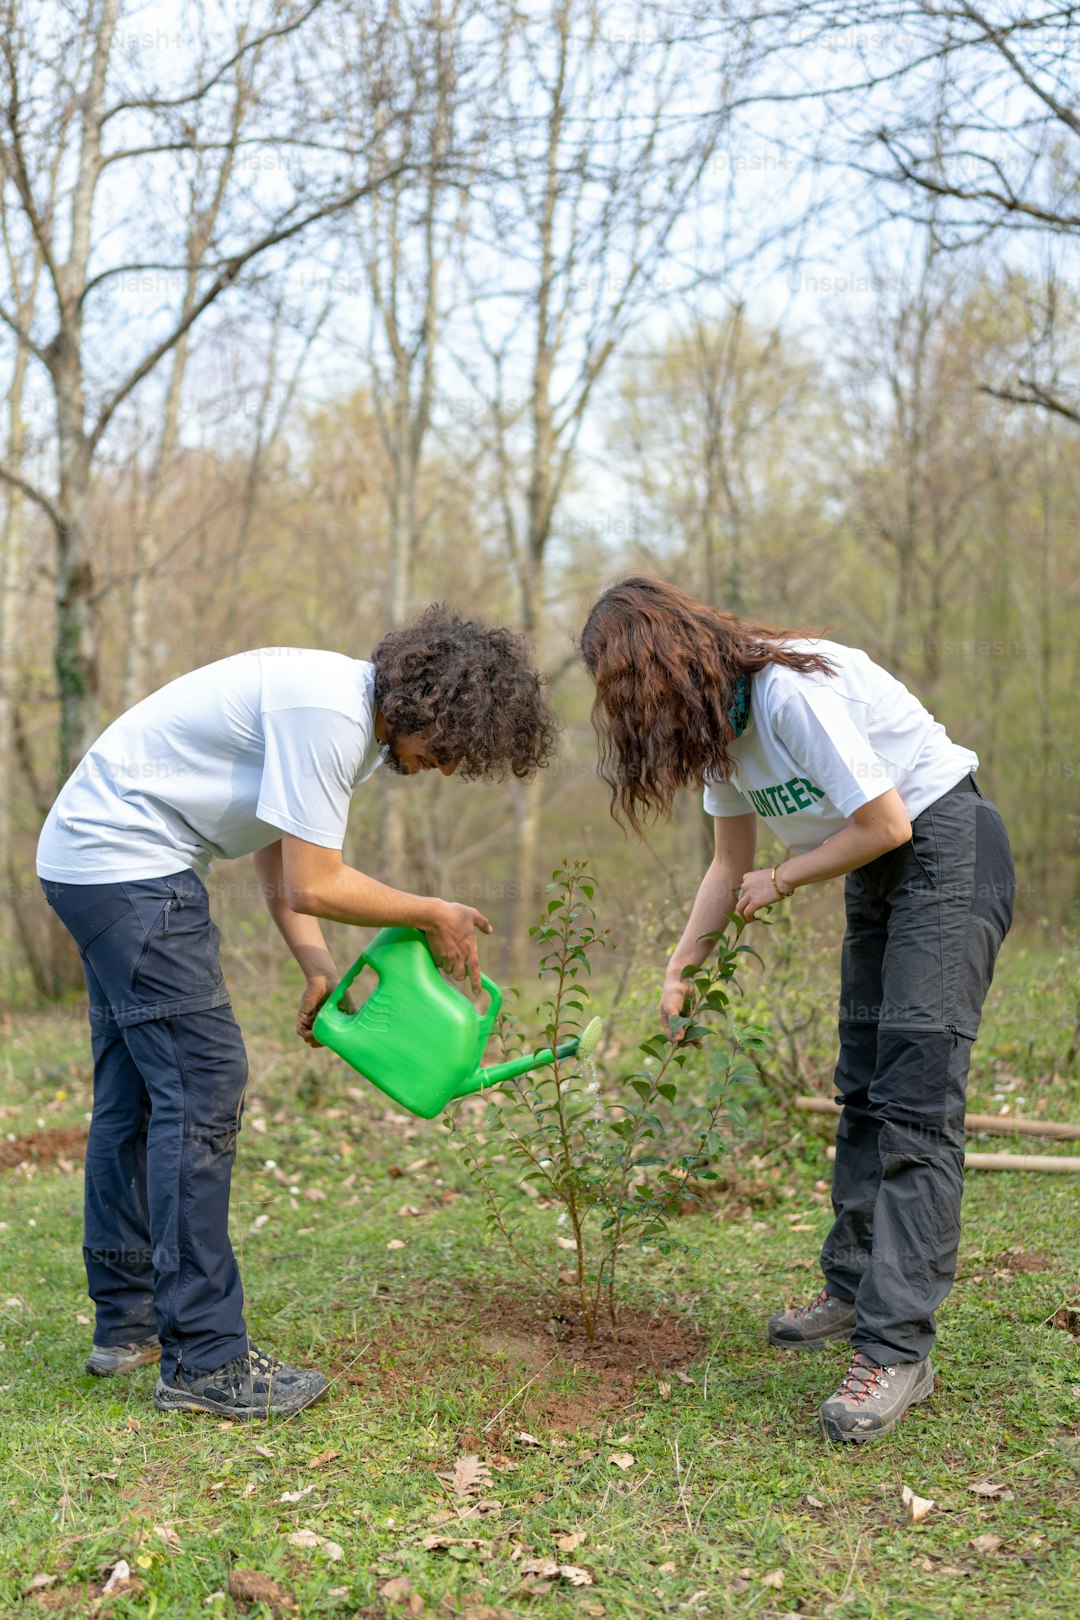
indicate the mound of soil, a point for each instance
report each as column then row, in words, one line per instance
column 570, row 1383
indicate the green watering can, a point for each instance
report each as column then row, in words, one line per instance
column 418, row 1038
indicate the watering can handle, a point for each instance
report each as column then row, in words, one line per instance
column 332, row 1000
column 487, row 1022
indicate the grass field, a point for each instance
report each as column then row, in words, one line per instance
column 680, row 1472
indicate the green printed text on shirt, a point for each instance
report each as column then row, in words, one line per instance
column 786, row 798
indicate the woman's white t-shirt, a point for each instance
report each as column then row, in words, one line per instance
column 816, row 747
column 218, row 763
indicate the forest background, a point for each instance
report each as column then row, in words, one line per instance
column 311, row 313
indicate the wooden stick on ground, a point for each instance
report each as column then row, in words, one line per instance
column 1011, row 1161
column 997, row 1124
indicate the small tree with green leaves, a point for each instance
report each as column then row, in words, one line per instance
column 598, row 1150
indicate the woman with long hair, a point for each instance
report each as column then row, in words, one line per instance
column 857, row 779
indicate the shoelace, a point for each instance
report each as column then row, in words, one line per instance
column 246, row 1364
column 815, row 1304
column 863, row 1379
column 260, row 1361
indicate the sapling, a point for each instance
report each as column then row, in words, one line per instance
column 595, row 1151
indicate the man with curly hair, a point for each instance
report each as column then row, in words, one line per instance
column 255, row 754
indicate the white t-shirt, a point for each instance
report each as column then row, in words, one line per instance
column 219, row 762
column 816, row 747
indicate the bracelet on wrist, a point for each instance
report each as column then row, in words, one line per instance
column 785, row 894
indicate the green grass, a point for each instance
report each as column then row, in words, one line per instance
column 437, row 1356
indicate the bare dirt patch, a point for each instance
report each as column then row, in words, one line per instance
column 248, row 1587
column 1067, row 1318
column 554, row 1376
column 43, row 1147
column 1022, row 1261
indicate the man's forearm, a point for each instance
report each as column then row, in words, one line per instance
column 712, row 906
column 302, row 934
column 349, row 896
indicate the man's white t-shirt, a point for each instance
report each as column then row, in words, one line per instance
column 816, row 747
column 218, row 763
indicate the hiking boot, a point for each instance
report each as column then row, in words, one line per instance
column 826, row 1320
column 873, row 1399
column 251, row 1385
column 106, row 1359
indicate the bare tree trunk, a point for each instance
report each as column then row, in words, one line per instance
column 11, row 582
column 137, row 672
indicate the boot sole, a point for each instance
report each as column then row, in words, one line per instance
column 811, row 1344
column 831, row 1430
column 175, row 1400
column 144, row 1360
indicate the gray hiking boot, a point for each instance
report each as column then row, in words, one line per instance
column 826, row 1320
column 252, row 1385
column 106, row 1359
column 873, row 1399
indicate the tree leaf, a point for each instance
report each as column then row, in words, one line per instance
column 918, row 1506
column 469, row 1476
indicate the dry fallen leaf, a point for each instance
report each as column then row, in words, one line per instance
column 547, row 1569
column 988, row 1543
column 445, row 1543
column 918, row 1506
column 813, row 1501
column 571, row 1542
column 397, row 1589
column 264, row 1451
column 995, row 1493
column 38, row 1584
column 309, row 1540
column 322, row 1458
column 167, row 1534
column 120, row 1573
column 469, row 1475
column 525, row 1439
column 395, row 1243
column 775, row 1578
column 296, row 1496
column 621, row 1459
column 566, row 1243
column 684, row 1378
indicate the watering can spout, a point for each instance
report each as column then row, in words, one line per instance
column 497, row 1073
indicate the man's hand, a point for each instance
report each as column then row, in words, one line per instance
column 315, row 993
column 757, row 890
column 451, row 934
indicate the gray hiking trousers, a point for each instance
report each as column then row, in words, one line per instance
column 924, row 926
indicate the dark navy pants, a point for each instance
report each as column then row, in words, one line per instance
column 169, row 1077
column 924, row 926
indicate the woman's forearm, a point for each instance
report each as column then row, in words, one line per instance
column 713, row 904
column 861, row 841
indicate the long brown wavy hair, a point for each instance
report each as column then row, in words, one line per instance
column 665, row 668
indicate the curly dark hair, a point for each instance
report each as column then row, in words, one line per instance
column 665, row 667
column 471, row 688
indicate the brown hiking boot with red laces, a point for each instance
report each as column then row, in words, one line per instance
column 826, row 1320
column 872, row 1399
